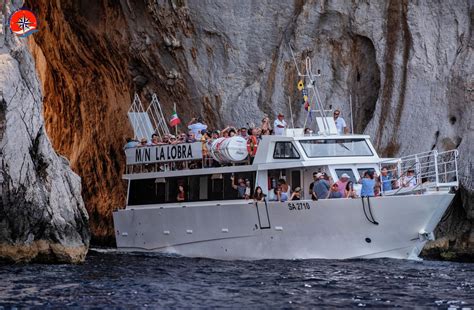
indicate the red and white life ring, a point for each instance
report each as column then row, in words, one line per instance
column 252, row 145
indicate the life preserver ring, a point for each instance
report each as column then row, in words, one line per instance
column 252, row 145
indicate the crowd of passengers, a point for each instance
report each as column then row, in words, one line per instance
column 322, row 187
column 199, row 131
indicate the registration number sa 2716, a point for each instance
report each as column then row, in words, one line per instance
column 298, row 206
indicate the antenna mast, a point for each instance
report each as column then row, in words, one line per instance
column 312, row 84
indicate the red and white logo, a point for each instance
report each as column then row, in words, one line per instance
column 23, row 23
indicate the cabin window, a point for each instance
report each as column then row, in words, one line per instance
column 336, row 147
column 295, row 179
column 348, row 171
column 196, row 188
column 203, row 188
column 147, row 191
column 229, row 191
column 285, row 150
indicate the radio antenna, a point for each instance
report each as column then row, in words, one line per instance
column 312, row 84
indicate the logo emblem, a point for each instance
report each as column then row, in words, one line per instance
column 23, row 23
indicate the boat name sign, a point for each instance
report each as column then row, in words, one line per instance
column 164, row 153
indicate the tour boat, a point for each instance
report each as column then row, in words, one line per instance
column 212, row 222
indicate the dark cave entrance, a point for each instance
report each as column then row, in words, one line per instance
column 364, row 82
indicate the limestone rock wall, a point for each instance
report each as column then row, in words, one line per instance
column 83, row 58
column 406, row 64
column 42, row 214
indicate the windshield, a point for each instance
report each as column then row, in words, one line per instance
column 336, row 148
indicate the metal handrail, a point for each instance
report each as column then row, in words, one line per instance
column 439, row 167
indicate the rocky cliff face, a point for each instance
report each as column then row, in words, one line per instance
column 42, row 214
column 406, row 64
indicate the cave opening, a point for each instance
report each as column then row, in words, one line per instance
column 364, row 81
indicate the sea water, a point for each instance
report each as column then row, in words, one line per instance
column 119, row 280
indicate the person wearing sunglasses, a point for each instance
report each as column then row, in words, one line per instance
column 340, row 123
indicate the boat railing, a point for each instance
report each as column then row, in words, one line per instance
column 176, row 166
column 139, row 164
column 421, row 171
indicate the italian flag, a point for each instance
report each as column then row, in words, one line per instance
column 307, row 106
column 174, row 118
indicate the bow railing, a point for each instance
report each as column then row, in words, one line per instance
column 420, row 171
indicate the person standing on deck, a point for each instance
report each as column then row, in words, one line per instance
column 350, row 192
column 368, row 184
column 340, row 123
column 312, row 193
column 243, row 132
column 248, row 189
column 259, row 195
column 197, row 126
column 279, row 125
column 131, row 143
column 285, row 188
column 240, row 187
column 334, row 192
column 342, row 182
column 386, row 180
column 410, row 179
column 265, row 124
column 181, row 194
column 321, row 187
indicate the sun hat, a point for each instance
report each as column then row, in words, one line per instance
column 345, row 175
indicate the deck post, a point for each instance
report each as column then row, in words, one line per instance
column 456, row 165
column 417, row 170
column 436, row 169
column 399, row 170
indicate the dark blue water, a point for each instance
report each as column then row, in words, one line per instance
column 137, row 280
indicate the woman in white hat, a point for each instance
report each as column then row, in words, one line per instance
column 342, row 182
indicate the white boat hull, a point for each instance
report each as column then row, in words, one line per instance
column 331, row 229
